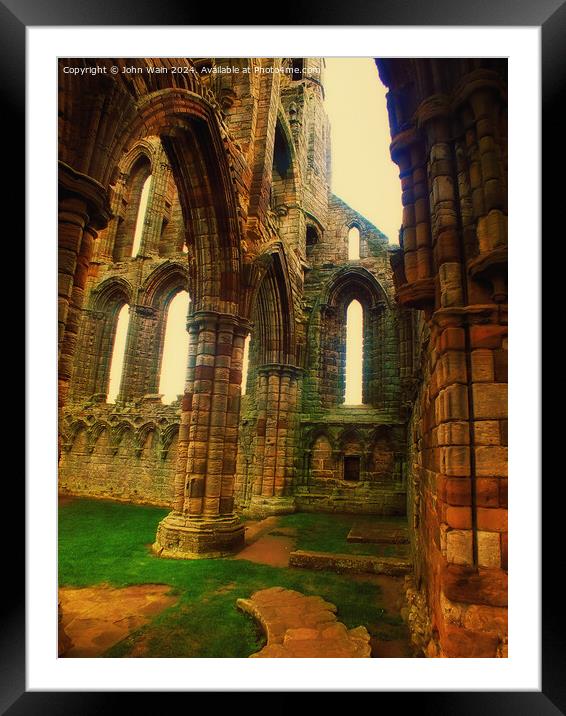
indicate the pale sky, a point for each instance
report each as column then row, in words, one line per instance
column 354, row 359
column 363, row 174
column 175, row 349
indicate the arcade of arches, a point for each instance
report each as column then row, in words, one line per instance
column 233, row 171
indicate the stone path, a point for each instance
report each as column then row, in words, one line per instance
column 298, row 626
column 265, row 548
column 96, row 618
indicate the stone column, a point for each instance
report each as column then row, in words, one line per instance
column 72, row 220
column 414, row 271
column 203, row 522
column 136, row 374
column 155, row 210
column 105, row 248
column 374, row 355
column 83, row 210
column 185, row 423
column 274, row 466
column 86, row 367
column 457, row 475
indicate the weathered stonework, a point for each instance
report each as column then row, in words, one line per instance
column 241, row 215
column 449, row 139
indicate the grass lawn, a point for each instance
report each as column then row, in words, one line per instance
column 321, row 532
column 106, row 542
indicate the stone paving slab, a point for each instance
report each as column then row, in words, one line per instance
column 392, row 566
column 96, row 618
column 378, row 533
column 298, row 626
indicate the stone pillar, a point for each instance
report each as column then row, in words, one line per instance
column 72, row 221
column 275, row 443
column 87, row 365
column 203, row 522
column 138, row 359
column 105, row 247
column 155, row 210
column 415, row 269
column 457, row 473
column 83, row 210
column 374, row 355
column 185, row 423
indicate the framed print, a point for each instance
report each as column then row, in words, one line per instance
column 277, row 477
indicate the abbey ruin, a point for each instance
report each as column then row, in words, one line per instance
column 232, row 157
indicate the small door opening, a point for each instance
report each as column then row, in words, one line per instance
column 351, row 468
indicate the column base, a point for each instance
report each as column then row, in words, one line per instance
column 266, row 506
column 182, row 537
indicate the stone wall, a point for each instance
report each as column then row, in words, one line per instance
column 449, row 139
column 120, row 452
column 300, row 282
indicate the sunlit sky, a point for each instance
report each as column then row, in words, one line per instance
column 363, row 175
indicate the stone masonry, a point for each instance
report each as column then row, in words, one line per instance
column 286, row 279
column 234, row 155
column 448, row 123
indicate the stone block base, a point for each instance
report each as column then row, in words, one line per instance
column 260, row 507
column 341, row 563
column 181, row 537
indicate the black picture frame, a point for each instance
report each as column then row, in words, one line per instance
column 15, row 16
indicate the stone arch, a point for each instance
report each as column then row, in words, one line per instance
column 382, row 455
column 121, row 434
column 99, row 438
column 141, row 447
column 148, row 147
column 162, row 284
column 96, row 111
column 117, row 112
column 71, row 436
column 322, row 458
column 167, row 438
column 349, row 284
column 285, row 174
column 351, row 440
column 111, row 293
column 129, row 204
column 317, row 431
column 159, row 290
column 98, row 332
column 313, row 235
column 354, row 240
column 189, row 129
column 354, row 282
column 272, row 314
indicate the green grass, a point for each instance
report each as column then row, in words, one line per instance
column 320, row 532
column 106, row 542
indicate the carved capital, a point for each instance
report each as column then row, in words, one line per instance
column 75, row 184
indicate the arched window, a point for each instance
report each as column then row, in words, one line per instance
column 118, row 351
column 353, row 244
column 311, row 239
column 140, row 219
column 282, row 181
column 131, row 214
column 245, row 362
column 354, row 353
column 175, row 349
